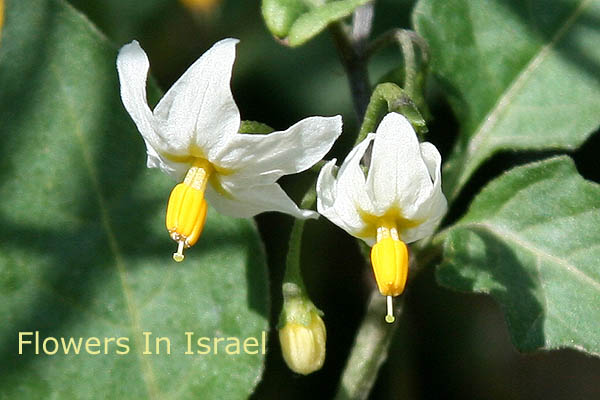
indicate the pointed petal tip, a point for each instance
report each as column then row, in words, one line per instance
column 233, row 40
column 132, row 56
column 132, row 46
column 226, row 42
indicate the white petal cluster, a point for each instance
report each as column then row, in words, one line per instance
column 402, row 185
column 198, row 119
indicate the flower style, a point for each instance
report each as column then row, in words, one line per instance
column 192, row 134
column 400, row 200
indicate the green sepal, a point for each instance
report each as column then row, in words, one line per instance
column 388, row 97
column 297, row 307
column 254, row 127
column 396, row 76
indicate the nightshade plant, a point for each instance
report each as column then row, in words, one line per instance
column 83, row 250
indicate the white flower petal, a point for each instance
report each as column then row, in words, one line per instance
column 435, row 203
column 432, row 210
column 132, row 66
column 433, row 160
column 249, row 201
column 199, row 110
column 398, row 176
column 419, row 232
column 326, row 195
column 265, row 158
column 344, row 200
column 173, row 169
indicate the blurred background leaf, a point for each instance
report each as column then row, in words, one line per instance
column 519, row 75
column 530, row 239
column 297, row 21
column 83, row 248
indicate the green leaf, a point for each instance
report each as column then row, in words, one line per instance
column 520, row 75
column 280, row 15
column 531, row 240
column 83, row 248
column 297, row 21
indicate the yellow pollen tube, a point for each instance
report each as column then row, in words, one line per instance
column 389, row 257
column 186, row 210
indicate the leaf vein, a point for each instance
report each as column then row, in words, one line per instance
column 506, row 98
column 490, row 120
column 512, row 236
column 132, row 311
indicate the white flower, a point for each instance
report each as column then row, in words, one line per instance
column 193, row 133
column 399, row 201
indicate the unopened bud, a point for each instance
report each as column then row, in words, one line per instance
column 303, row 346
column 302, row 333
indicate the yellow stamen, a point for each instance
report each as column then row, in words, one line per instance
column 186, row 210
column 389, row 257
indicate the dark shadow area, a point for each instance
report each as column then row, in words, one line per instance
column 454, row 345
column 339, row 287
column 478, row 253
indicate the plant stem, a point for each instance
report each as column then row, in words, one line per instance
column 351, row 49
column 293, row 273
column 370, row 350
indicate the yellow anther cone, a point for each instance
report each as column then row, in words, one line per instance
column 390, row 264
column 186, row 214
column 186, row 210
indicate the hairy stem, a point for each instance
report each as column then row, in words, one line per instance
column 293, row 273
column 370, row 350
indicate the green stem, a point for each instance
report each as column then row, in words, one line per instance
column 407, row 40
column 370, row 350
column 415, row 53
column 410, row 63
column 293, row 272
